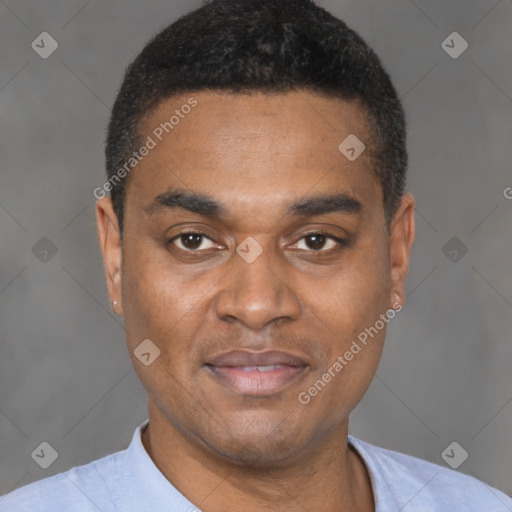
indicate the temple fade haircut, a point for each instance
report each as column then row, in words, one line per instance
column 268, row 46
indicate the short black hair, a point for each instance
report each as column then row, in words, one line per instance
column 274, row 46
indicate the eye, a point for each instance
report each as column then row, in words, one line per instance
column 316, row 242
column 192, row 241
column 319, row 242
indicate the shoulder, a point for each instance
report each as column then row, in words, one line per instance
column 419, row 485
column 83, row 488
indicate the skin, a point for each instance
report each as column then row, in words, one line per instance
column 256, row 154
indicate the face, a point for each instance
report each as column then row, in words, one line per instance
column 254, row 255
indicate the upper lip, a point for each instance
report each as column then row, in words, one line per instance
column 247, row 358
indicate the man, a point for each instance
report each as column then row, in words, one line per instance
column 257, row 233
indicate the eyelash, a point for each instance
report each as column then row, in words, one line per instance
column 341, row 242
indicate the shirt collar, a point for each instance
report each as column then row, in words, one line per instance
column 147, row 489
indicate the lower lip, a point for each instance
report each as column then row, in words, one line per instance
column 254, row 382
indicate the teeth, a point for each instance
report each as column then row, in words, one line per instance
column 268, row 368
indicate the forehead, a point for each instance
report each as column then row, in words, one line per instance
column 240, row 147
column 257, row 121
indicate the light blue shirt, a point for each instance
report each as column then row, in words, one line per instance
column 129, row 481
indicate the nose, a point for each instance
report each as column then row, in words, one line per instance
column 257, row 293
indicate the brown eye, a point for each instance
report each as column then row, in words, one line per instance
column 318, row 242
column 191, row 241
column 315, row 241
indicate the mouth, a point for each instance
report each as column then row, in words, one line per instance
column 256, row 373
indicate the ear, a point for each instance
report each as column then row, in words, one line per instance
column 402, row 235
column 111, row 249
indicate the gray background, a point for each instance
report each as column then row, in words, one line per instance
column 65, row 376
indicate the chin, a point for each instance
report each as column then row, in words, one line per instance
column 251, row 455
column 259, row 444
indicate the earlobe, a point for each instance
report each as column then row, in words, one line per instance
column 111, row 249
column 396, row 299
column 401, row 240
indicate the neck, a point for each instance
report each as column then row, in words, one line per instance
column 333, row 478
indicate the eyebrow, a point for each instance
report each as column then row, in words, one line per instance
column 209, row 207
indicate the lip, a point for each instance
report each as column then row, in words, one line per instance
column 249, row 358
column 238, row 370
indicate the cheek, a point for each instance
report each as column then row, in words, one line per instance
column 360, row 295
column 360, row 290
column 152, row 291
column 157, row 309
column 149, row 298
column 164, row 306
